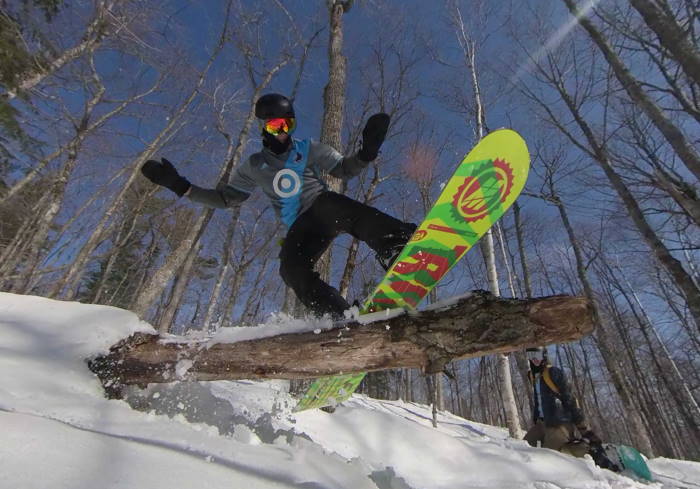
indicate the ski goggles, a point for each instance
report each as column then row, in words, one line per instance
column 280, row 125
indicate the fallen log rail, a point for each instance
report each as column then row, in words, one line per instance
column 475, row 325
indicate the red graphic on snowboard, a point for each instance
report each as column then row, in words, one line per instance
column 474, row 200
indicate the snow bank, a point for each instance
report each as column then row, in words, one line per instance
column 54, row 417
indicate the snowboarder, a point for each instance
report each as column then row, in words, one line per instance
column 289, row 172
column 556, row 412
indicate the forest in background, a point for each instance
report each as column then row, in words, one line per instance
column 609, row 106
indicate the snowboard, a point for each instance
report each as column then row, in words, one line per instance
column 481, row 189
column 629, row 460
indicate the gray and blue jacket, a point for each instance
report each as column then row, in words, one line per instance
column 291, row 180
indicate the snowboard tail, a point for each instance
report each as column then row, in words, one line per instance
column 329, row 391
column 631, row 460
column 482, row 188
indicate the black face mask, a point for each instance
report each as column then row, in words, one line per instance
column 536, row 369
column 274, row 145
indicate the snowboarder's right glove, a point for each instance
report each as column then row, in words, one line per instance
column 373, row 136
column 163, row 173
column 592, row 438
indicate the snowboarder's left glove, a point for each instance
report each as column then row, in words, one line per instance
column 164, row 173
column 373, row 136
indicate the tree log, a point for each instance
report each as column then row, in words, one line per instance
column 474, row 325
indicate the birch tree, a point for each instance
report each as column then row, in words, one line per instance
column 163, row 275
column 67, row 286
column 421, row 169
column 104, row 23
column 469, row 47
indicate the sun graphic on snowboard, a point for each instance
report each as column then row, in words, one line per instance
column 482, row 192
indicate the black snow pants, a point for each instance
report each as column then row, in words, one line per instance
column 312, row 233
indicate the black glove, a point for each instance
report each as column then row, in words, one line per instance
column 592, row 438
column 163, row 173
column 601, row 459
column 373, row 136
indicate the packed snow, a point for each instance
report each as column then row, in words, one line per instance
column 59, row 430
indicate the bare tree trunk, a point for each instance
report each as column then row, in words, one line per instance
column 334, row 103
column 588, row 372
column 167, row 317
column 681, row 193
column 350, row 265
column 107, row 271
column 162, row 276
column 520, row 359
column 469, row 50
column 124, row 234
column 15, row 252
column 605, row 344
column 674, row 136
column 655, row 423
column 233, row 294
column 600, row 154
column 434, row 381
column 675, row 382
column 99, row 28
column 58, row 186
column 71, row 280
column 408, row 379
column 350, row 262
column 223, row 273
column 671, row 35
column 334, row 92
column 38, row 239
column 151, row 255
column 510, row 407
column 269, row 284
column 506, row 384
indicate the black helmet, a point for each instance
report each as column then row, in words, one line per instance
column 539, row 352
column 537, row 358
column 273, row 105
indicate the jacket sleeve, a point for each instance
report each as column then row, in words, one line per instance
column 335, row 164
column 222, row 196
column 568, row 400
column 226, row 194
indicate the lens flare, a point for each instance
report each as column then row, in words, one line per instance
column 553, row 41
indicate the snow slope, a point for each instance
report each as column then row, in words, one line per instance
column 59, row 431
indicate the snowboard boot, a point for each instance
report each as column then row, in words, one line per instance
column 387, row 258
column 601, row 458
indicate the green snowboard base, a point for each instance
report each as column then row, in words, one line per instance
column 632, row 461
column 329, row 391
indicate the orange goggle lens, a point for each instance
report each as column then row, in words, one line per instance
column 280, row 125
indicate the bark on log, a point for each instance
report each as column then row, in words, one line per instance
column 475, row 325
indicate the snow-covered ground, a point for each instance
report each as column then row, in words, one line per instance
column 59, row 431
